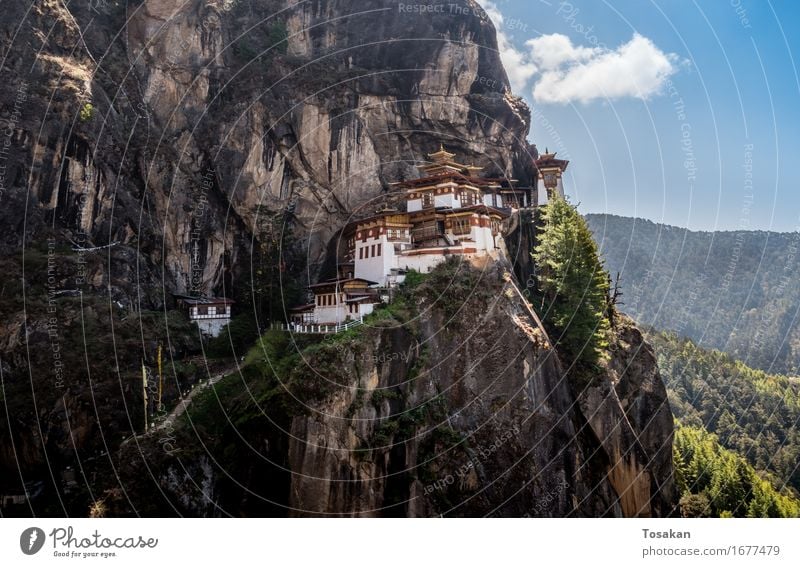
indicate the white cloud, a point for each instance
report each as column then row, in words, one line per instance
column 551, row 51
column 562, row 72
column 518, row 64
column 636, row 69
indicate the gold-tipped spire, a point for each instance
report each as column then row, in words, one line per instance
column 442, row 155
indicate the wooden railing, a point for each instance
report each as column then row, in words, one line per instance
column 426, row 234
column 313, row 329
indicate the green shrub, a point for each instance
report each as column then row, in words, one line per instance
column 381, row 394
column 87, row 112
column 277, row 36
column 235, row 339
column 413, row 279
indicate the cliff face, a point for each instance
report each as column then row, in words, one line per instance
column 509, row 435
column 158, row 135
column 167, row 131
column 449, row 403
column 204, row 110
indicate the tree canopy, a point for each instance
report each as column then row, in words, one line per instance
column 717, row 482
column 752, row 413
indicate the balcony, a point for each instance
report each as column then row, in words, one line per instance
column 423, row 234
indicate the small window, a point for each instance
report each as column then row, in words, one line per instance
column 373, row 251
column 427, row 199
column 379, row 249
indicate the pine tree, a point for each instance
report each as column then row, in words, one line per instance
column 572, row 281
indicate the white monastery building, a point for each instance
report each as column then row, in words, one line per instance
column 211, row 314
column 450, row 211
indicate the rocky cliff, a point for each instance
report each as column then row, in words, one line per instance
column 451, row 402
column 146, row 141
column 165, row 126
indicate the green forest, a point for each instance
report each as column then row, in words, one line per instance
column 734, row 291
column 739, row 422
column 716, row 482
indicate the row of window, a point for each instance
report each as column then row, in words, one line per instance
column 467, row 198
column 369, row 251
column 211, row 310
column 326, row 299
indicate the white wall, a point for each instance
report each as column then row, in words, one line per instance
column 446, row 200
column 542, row 190
column 375, row 268
column 212, row 327
column 421, row 263
column 330, row 313
column 483, row 238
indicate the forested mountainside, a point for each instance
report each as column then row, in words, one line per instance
column 734, row 291
column 717, row 482
column 731, row 414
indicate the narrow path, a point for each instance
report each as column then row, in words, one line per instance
column 186, row 400
column 510, row 279
column 180, row 407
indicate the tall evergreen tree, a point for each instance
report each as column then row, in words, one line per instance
column 572, row 281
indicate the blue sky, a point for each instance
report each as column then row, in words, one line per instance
column 681, row 112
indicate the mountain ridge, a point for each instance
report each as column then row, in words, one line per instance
column 738, row 291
